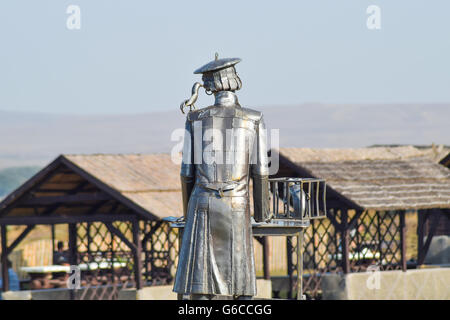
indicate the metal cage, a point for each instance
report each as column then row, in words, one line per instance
column 295, row 201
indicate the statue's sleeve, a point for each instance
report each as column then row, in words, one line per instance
column 187, row 166
column 260, row 174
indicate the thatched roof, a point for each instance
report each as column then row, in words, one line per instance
column 147, row 185
column 376, row 178
column 437, row 153
column 151, row 181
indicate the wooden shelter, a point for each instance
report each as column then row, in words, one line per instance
column 373, row 178
column 112, row 204
column 369, row 190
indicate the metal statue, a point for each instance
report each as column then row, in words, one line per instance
column 224, row 146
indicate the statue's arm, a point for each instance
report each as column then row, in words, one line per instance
column 260, row 175
column 187, row 173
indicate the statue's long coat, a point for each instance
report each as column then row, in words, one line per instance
column 216, row 255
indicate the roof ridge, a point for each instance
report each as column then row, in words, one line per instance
column 114, row 154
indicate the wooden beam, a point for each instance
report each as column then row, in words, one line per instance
column 420, row 232
column 266, row 257
column 333, row 219
column 117, row 195
column 403, row 239
column 4, row 260
column 20, row 238
column 73, row 254
column 137, row 255
column 73, row 244
column 75, row 190
column 65, row 199
column 345, row 242
column 97, row 207
column 55, row 207
column 31, row 220
column 11, row 201
column 260, row 239
column 355, row 219
column 121, row 236
column 313, row 241
column 333, row 203
column 53, row 241
column 151, row 232
column 379, row 236
column 424, row 250
column 290, row 266
column 65, row 191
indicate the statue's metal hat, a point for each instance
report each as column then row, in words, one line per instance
column 217, row 64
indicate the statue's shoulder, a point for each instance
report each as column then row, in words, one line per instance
column 216, row 111
column 198, row 114
column 250, row 114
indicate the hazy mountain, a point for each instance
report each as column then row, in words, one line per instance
column 11, row 178
column 35, row 139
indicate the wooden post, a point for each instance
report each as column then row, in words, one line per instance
column 345, row 242
column 420, row 233
column 300, row 265
column 379, row 238
column 180, row 242
column 290, row 265
column 137, row 255
column 266, row 257
column 433, row 221
column 53, row 242
column 73, row 243
column 403, row 239
column 111, row 252
column 315, row 245
column 72, row 251
column 4, row 260
column 89, row 238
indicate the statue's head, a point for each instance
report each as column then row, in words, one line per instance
column 220, row 75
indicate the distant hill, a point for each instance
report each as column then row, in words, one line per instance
column 35, row 139
column 11, row 178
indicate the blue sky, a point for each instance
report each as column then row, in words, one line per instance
column 138, row 56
